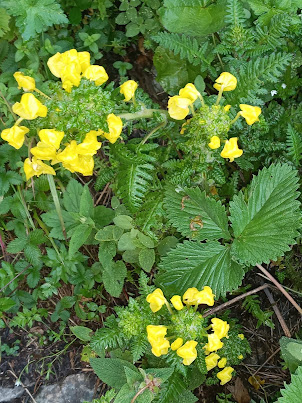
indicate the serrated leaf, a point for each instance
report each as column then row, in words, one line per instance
column 113, row 277
column 123, row 221
column 111, row 370
column 293, row 391
column 195, row 215
column 86, row 203
column 146, row 259
column 72, row 196
column 267, row 223
column 291, row 351
column 194, row 264
column 17, row 245
column 4, row 20
column 33, row 254
column 79, row 237
column 6, row 303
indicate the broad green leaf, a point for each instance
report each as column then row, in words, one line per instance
column 126, row 242
column 6, row 303
column 113, row 277
column 72, row 196
column 123, row 221
column 102, row 215
column 107, row 251
column 81, row 332
column 145, row 240
column 86, row 203
column 291, row 350
column 192, row 17
column 146, row 259
column 111, row 370
column 79, row 237
column 194, row 264
column 267, row 223
column 195, row 215
column 292, row 393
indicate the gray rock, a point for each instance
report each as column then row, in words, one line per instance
column 74, row 389
column 8, row 394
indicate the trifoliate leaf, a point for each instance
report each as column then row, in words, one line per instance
column 194, row 264
column 266, row 224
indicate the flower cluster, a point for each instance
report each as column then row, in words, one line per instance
column 186, row 349
column 181, row 105
column 71, row 67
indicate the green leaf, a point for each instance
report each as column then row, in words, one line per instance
column 86, row 203
column 145, row 240
column 195, row 215
column 111, row 370
column 35, row 16
column 132, row 29
column 72, row 196
column 33, row 277
column 267, row 223
column 146, row 259
column 103, row 216
column 17, row 245
column 6, row 304
column 292, row 392
column 123, row 221
column 126, row 242
column 4, row 20
column 192, row 17
column 113, row 277
column 194, row 264
column 81, row 332
column 79, row 237
column 107, row 251
column 291, row 350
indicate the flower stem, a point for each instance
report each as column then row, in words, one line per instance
column 42, row 93
column 146, row 138
column 56, row 202
column 168, row 306
column 219, row 95
column 18, row 121
column 144, row 113
column 236, row 117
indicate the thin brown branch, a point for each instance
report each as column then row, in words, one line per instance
column 277, row 312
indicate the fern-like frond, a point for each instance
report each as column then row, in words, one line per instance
column 186, row 47
column 294, row 145
column 234, row 13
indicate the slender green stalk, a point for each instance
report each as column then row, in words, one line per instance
column 8, row 105
column 219, row 95
column 146, row 138
column 25, row 208
column 56, row 202
column 145, row 113
column 236, row 117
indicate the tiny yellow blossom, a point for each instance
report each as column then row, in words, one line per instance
column 176, row 302
column 214, row 343
column 97, row 74
column 128, row 89
column 156, row 300
column 188, row 352
column 220, row 327
column 189, row 296
column 29, row 107
column 190, row 92
column 240, row 357
column 205, row 296
column 51, row 137
column 15, row 136
column 25, row 82
column 225, row 375
column 178, row 107
column 44, row 151
column 241, row 336
column 231, row 150
column 214, row 143
column 227, row 108
column 36, row 167
column 177, row 344
column 211, row 361
column 115, row 125
column 222, row 362
column 225, row 82
column 90, row 145
column 155, row 332
column 160, row 347
column 250, row 113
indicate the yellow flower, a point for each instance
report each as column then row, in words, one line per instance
column 240, row 357
column 96, row 73
column 69, row 155
column 115, row 125
column 84, row 165
column 220, row 327
column 177, row 344
column 225, row 375
column 29, row 107
column 211, row 361
column 231, row 150
column 160, row 347
column 250, row 113
column 84, row 59
column 214, row 143
column 56, row 64
column 222, row 362
column 70, row 76
column 190, row 92
column 156, row 300
column 205, row 296
column 90, row 145
column 214, row 343
column 188, row 352
column 60, row 61
column 15, row 136
column 178, row 107
column 226, row 82
column 156, row 332
column 44, row 151
column 241, row 336
column 189, row 296
column 36, row 167
column 70, row 56
column 25, row 82
column 176, row 302
column 51, row 137
column 128, row 89
column 227, row 108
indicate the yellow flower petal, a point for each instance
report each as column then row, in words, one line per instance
column 29, row 107
column 231, row 149
column 220, row 327
column 36, row 167
column 226, row 82
column 90, row 145
column 178, row 107
column 176, row 302
column 44, row 151
column 97, row 74
column 25, row 82
column 214, row 343
column 15, row 136
column 51, row 137
column 160, row 347
column 225, row 375
column 156, row 300
column 250, row 113
column 70, row 76
column 222, row 362
column 190, row 92
column 177, row 344
column 84, row 59
column 188, row 352
column 211, row 361
column 115, row 125
column 69, row 155
column 128, row 89
column 205, row 296
column 214, row 143
column 56, row 64
column 189, row 296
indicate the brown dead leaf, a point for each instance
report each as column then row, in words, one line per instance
column 256, row 381
column 239, row 391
